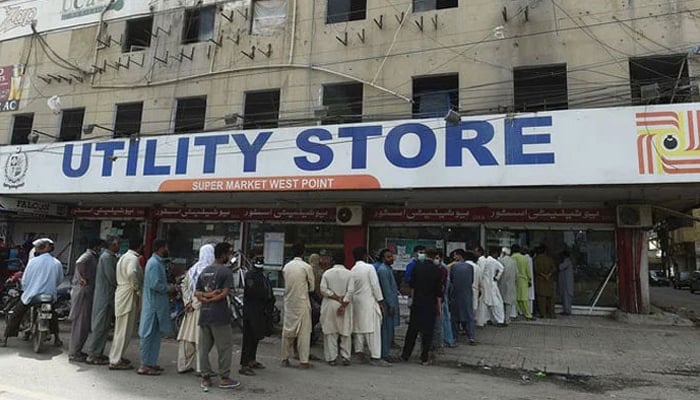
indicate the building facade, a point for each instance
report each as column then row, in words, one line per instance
column 273, row 121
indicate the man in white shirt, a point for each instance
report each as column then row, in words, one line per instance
column 337, row 287
column 367, row 303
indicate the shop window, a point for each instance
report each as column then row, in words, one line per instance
column 660, row 79
column 190, row 114
column 128, row 119
column 592, row 253
column 262, row 109
column 198, row 24
column 71, row 124
column 87, row 230
column 343, row 102
column 185, row 238
column 541, row 88
column 427, row 5
column 434, row 96
column 346, row 10
column 21, row 128
column 269, row 17
column 137, row 35
column 320, row 239
column 401, row 239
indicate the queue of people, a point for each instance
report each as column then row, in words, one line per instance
column 359, row 307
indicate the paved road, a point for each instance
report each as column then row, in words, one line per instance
column 50, row 376
column 677, row 301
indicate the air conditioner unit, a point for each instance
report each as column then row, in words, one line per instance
column 650, row 93
column 348, row 215
column 634, row 216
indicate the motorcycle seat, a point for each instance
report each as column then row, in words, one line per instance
column 42, row 298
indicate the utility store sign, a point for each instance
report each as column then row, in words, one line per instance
column 581, row 147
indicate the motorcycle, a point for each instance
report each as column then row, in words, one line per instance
column 10, row 292
column 41, row 313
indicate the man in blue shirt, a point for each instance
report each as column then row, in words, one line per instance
column 42, row 276
column 390, row 311
column 418, row 255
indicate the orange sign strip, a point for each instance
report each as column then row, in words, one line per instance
column 272, row 184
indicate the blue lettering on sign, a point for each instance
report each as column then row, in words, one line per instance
column 324, row 153
column 108, row 160
column 183, row 147
column 455, row 143
column 132, row 159
column 516, row 141
column 210, row 144
column 251, row 150
column 68, row 169
column 428, row 145
column 149, row 165
column 359, row 135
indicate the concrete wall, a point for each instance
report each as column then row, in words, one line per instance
column 462, row 41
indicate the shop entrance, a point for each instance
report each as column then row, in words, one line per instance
column 592, row 252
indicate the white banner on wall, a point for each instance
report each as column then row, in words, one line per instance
column 16, row 16
column 632, row 145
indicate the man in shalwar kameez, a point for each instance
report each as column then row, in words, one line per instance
column 491, row 274
column 155, row 315
column 82, row 295
column 188, row 334
column 507, row 284
column 127, row 303
column 337, row 287
column 296, row 330
column 103, row 303
column 367, row 304
column 524, row 282
column 390, row 291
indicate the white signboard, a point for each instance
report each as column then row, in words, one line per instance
column 16, row 16
column 23, row 206
column 273, row 248
column 633, row 145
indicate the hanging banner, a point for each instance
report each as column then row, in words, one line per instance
column 613, row 146
column 11, row 87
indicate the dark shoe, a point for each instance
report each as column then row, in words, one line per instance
column 345, row 362
column 304, row 365
column 285, row 363
column 121, row 366
column 333, row 363
column 156, row 368
column 502, row 325
column 256, row 365
column 379, row 363
column 246, row 371
column 147, row 371
column 81, row 357
column 96, row 361
column 57, row 342
column 472, row 342
column 228, row 383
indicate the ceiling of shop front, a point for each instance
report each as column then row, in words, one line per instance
column 678, row 197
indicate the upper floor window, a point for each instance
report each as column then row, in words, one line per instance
column 434, row 96
column 190, row 114
column 269, row 16
column 427, row 5
column 660, row 79
column 21, row 128
column 137, row 35
column 198, row 25
column 343, row 102
column 346, row 10
column 128, row 119
column 540, row 88
column 71, row 124
column 262, row 109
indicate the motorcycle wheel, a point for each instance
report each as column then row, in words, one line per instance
column 38, row 339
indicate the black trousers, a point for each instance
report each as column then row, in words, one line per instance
column 15, row 320
column 249, row 351
column 412, row 334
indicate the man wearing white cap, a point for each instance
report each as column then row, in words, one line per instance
column 42, row 275
column 36, row 243
column 507, row 284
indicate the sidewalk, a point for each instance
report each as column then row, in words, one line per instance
column 578, row 345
